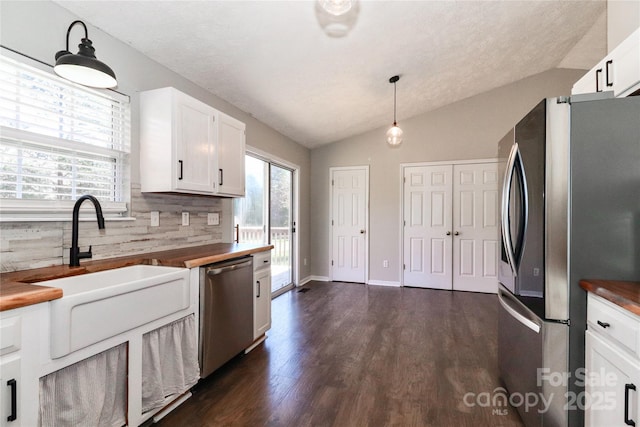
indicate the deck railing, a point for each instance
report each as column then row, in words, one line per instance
column 280, row 239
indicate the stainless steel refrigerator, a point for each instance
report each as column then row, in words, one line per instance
column 570, row 203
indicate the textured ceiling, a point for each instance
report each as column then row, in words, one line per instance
column 273, row 59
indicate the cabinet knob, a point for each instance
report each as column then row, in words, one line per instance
column 448, row 233
column 457, row 233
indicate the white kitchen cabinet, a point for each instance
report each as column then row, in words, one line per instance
column 25, row 356
column 187, row 146
column 19, row 349
column 262, row 293
column 231, row 144
column 612, row 381
column 10, row 380
column 618, row 72
column 177, row 143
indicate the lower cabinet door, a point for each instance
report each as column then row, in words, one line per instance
column 612, row 385
column 262, row 302
column 10, row 411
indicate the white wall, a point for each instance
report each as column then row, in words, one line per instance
column 38, row 29
column 468, row 129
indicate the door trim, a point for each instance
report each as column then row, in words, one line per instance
column 365, row 168
column 295, row 256
column 403, row 166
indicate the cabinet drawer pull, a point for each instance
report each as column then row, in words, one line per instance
column 13, row 384
column 603, row 324
column 628, row 421
column 607, row 73
column 221, row 176
column 180, row 163
column 598, row 72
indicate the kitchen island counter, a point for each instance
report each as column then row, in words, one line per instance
column 19, row 288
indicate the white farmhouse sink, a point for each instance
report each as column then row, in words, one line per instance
column 96, row 306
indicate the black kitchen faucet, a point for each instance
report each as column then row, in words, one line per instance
column 74, row 253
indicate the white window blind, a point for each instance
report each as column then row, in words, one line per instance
column 59, row 141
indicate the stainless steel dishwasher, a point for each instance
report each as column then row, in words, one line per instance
column 226, row 311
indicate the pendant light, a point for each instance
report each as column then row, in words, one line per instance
column 394, row 134
column 336, row 7
column 83, row 67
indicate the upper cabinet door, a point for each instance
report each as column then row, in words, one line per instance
column 619, row 71
column 626, row 66
column 231, row 148
column 195, row 125
column 187, row 146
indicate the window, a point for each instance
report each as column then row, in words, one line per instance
column 59, row 141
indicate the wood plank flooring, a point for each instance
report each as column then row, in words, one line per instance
column 346, row 354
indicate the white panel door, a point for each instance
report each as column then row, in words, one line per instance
column 475, row 227
column 427, row 226
column 348, row 224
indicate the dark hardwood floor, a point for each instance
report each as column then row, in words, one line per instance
column 347, row 354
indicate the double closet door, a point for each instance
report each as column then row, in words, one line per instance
column 450, row 226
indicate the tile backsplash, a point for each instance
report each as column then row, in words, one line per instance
column 25, row 245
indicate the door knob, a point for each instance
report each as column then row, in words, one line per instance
column 448, row 233
column 362, row 231
column 456, row 233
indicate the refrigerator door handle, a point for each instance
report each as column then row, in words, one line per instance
column 515, row 312
column 525, row 209
column 506, row 192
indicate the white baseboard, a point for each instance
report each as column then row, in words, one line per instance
column 383, row 283
column 304, row 281
column 310, row 278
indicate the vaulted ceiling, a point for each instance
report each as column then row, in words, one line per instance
column 277, row 61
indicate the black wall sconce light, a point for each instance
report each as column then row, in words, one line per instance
column 84, row 68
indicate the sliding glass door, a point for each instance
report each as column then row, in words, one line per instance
column 251, row 213
column 265, row 216
column 281, row 226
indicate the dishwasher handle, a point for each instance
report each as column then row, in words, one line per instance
column 214, row 271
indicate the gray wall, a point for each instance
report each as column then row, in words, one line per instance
column 468, row 129
column 38, row 29
column 623, row 17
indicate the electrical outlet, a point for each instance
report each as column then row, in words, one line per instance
column 385, row 263
column 155, row 218
column 213, row 218
column 305, row 261
column 185, row 218
column 536, row 271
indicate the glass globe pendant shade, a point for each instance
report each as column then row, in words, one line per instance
column 394, row 135
column 336, row 7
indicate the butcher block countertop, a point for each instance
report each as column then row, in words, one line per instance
column 17, row 288
column 624, row 294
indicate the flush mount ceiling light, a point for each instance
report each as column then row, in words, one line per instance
column 83, row 67
column 394, row 134
column 336, row 7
